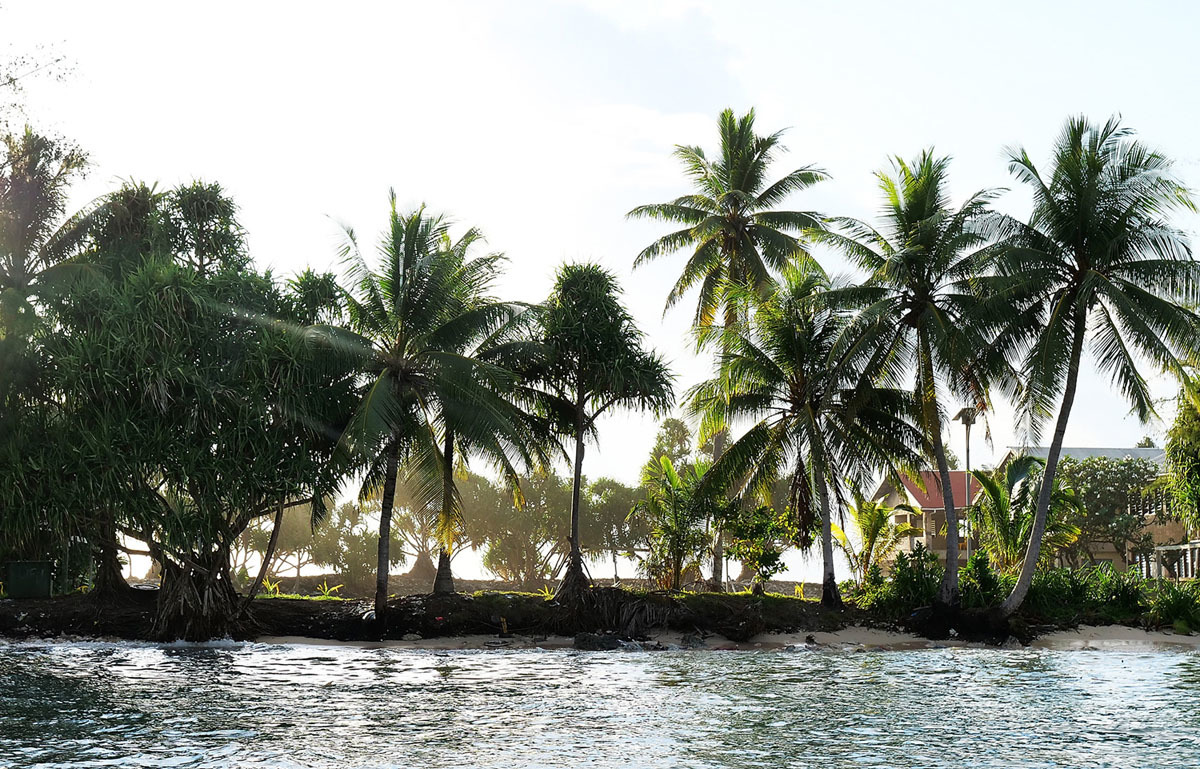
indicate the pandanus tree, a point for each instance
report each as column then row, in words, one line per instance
column 1003, row 511
column 816, row 411
column 412, row 316
column 919, row 305
column 594, row 363
column 1100, row 266
column 735, row 228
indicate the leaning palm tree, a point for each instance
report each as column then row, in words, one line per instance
column 736, row 231
column 878, row 536
column 918, row 304
column 594, row 362
column 410, row 318
column 1098, row 261
column 818, row 414
column 1003, row 510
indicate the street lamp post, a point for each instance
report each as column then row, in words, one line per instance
column 967, row 416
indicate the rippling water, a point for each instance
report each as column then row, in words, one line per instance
column 253, row 705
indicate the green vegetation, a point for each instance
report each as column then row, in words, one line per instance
column 878, row 538
column 161, row 396
column 1058, row 596
column 1002, row 513
column 918, row 312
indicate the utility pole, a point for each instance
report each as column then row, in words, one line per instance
column 967, row 416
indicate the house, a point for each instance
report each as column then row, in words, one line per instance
column 1161, row 531
column 932, row 524
column 926, row 494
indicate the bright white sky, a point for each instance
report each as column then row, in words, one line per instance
column 543, row 123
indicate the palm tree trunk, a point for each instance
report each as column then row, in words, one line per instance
column 574, row 582
column 1033, row 550
column 717, row 583
column 947, row 596
column 948, row 593
column 385, row 531
column 830, row 596
column 263, row 570
column 443, row 583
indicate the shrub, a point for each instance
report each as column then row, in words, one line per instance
column 979, row 584
column 1118, row 594
column 914, row 583
column 1059, row 595
column 1174, row 604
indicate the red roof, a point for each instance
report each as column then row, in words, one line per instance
column 931, row 497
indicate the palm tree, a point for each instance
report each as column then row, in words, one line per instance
column 411, row 318
column 734, row 229
column 496, row 335
column 35, row 242
column 594, row 362
column 1097, row 259
column 675, row 510
column 1003, row 512
column 918, row 303
column 878, row 537
column 818, row 413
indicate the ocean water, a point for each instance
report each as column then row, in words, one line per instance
column 256, row 705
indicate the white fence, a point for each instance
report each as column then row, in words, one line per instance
column 1171, row 561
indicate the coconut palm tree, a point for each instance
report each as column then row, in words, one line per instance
column 1101, row 266
column 919, row 304
column 736, row 231
column 676, row 511
column 36, row 242
column 1003, row 510
column 411, row 317
column 594, row 362
column 818, row 414
column 501, row 339
column 878, row 537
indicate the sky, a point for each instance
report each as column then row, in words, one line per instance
column 543, row 123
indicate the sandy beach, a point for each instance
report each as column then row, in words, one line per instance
column 854, row 638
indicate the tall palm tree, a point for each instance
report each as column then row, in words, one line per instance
column 1098, row 261
column 1003, row 511
column 499, row 338
column 594, row 362
column 735, row 230
column 818, row 413
column 919, row 303
column 410, row 319
column 878, row 537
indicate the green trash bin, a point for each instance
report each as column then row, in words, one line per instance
column 28, row 579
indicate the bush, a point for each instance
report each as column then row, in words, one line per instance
column 979, row 585
column 914, row 583
column 1059, row 595
column 1118, row 594
column 1177, row 605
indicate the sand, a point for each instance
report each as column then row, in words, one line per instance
column 1117, row 638
column 850, row 639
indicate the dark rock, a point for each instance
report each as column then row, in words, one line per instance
column 591, row 642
